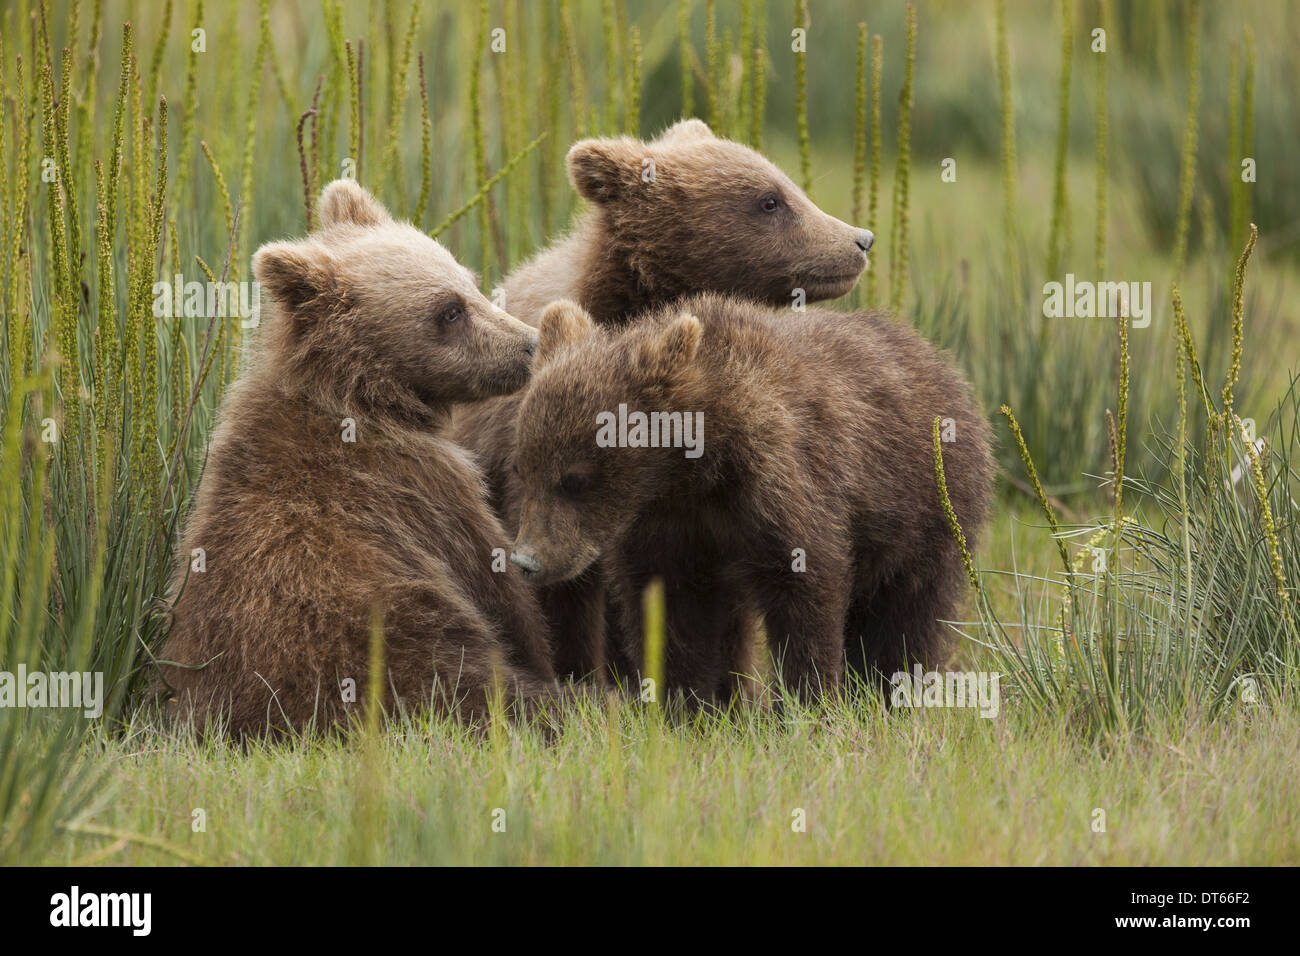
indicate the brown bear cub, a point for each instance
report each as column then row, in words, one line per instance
column 331, row 493
column 753, row 458
column 682, row 214
column 686, row 213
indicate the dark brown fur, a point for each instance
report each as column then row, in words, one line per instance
column 817, row 436
column 697, row 224
column 306, row 534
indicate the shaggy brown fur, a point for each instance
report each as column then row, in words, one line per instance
column 305, row 534
column 686, row 213
column 817, row 441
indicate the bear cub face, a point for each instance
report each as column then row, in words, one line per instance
column 694, row 212
column 577, row 496
column 374, row 315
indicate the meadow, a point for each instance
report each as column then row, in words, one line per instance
column 1135, row 589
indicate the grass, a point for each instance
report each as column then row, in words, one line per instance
column 1125, row 690
column 617, row 787
column 1180, row 602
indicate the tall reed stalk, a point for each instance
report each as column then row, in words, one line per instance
column 801, row 99
column 860, row 123
column 684, row 52
column 1060, row 195
column 477, row 132
column 1102, row 166
column 1010, row 218
column 900, row 246
column 1187, row 174
column 873, row 205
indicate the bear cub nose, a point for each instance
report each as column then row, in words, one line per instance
column 525, row 561
column 864, row 239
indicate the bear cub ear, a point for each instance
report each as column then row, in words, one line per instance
column 602, row 170
column 563, row 323
column 686, row 131
column 672, row 349
column 294, row 274
column 343, row 202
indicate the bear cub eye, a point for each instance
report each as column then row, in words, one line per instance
column 574, row 483
column 451, row 313
column 770, row 203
